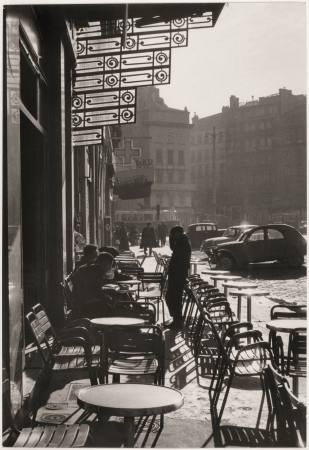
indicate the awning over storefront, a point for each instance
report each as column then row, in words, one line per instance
column 122, row 47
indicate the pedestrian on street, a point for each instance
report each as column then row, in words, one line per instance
column 123, row 238
column 177, row 274
column 162, row 233
column 148, row 240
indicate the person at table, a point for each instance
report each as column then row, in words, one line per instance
column 177, row 274
column 89, row 300
column 89, row 256
column 112, row 250
column 148, row 240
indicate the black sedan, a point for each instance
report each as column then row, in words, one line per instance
column 259, row 244
column 230, row 234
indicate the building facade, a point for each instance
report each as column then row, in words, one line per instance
column 260, row 170
column 162, row 135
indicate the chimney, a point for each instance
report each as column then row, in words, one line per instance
column 195, row 119
column 234, row 102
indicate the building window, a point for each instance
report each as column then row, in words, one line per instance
column 159, row 159
column 181, row 176
column 170, row 157
column 158, row 176
column 193, row 174
column 181, row 158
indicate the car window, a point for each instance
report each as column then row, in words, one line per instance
column 200, row 228
column 274, row 234
column 257, row 235
column 231, row 232
column 210, row 227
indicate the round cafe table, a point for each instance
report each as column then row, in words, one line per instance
column 237, row 285
column 130, row 282
column 286, row 325
column 224, row 277
column 129, row 400
column 215, row 272
column 194, row 264
column 248, row 293
column 105, row 322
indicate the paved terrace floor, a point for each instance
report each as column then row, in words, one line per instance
column 188, row 427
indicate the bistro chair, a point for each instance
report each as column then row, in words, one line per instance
column 296, row 363
column 132, row 270
column 287, row 415
column 54, row 359
column 238, row 359
column 134, row 351
column 16, row 435
column 285, row 311
column 142, row 310
column 152, row 290
column 66, row 286
column 78, row 327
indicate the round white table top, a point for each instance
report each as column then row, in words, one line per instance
column 110, row 287
column 240, row 285
column 286, row 325
column 225, row 277
column 117, row 321
column 129, row 282
column 250, row 292
column 130, row 399
column 216, row 272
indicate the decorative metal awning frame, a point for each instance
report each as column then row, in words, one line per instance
column 114, row 57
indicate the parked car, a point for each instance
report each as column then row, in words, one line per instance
column 261, row 243
column 303, row 227
column 230, row 234
column 197, row 232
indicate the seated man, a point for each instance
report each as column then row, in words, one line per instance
column 89, row 256
column 88, row 298
column 112, row 250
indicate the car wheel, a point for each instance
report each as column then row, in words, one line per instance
column 226, row 262
column 296, row 261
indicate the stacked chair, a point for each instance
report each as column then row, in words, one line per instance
column 294, row 363
column 223, row 347
column 71, row 348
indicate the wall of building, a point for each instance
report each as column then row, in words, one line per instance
column 163, row 135
column 260, row 167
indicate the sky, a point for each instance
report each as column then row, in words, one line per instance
column 254, row 49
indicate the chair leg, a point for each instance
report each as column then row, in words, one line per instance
column 228, row 386
column 295, row 386
column 218, row 387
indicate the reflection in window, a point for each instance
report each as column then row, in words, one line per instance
column 257, row 236
column 274, row 234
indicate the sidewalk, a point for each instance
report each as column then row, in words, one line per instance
column 188, row 427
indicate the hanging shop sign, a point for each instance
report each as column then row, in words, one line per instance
column 113, row 61
column 134, row 183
